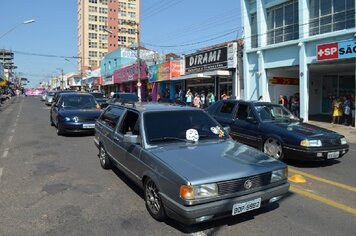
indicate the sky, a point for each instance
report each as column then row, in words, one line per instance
column 178, row 26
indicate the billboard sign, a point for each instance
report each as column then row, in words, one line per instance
column 336, row 50
column 163, row 72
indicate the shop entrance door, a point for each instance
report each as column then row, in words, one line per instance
column 336, row 86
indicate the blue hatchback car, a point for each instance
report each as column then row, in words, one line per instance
column 75, row 112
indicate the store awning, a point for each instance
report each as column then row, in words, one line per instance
column 207, row 74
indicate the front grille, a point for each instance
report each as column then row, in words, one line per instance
column 330, row 142
column 237, row 185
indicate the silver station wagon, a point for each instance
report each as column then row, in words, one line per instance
column 189, row 168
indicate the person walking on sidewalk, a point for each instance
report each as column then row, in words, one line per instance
column 337, row 110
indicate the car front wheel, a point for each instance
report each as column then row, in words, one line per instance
column 153, row 201
column 104, row 159
column 59, row 129
column 273, row 147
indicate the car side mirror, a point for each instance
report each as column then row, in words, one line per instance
column 251, row 119
column 131, row 138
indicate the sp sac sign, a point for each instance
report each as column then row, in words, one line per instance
column 338, row 50
column 327, row 51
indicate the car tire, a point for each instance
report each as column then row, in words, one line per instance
column 104, row 159
column 51, row 121
column 59, row 129
column 153, row 201
column 274, row 148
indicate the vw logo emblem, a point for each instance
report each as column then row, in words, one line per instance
column 248, row 184
column 76, row 118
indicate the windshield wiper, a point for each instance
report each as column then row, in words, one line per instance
column 170, row 138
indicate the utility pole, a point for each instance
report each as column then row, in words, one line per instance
column 138, row 63
column 62, row 79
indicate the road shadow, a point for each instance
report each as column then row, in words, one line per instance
column 311, row 164
column 128, row 182
column 78, row 135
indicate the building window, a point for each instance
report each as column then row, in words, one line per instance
column 93, row 27
column 122, row 13
column 93, row 9
column 331, row 15
column 93, row 44
column 131, row 40
column 93, row 53
column 93, row 62
column 253, row 24
column 103, row 19
column 93, row 36
column 103, row 10
column 132, row 6
column 282, row 22
column 93, row 18
column 103, row 36
column 132, row 14
column 105, row 2
column 93, row 1
column 122, row 5
column 121, row 39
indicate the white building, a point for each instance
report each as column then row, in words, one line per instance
column 282, row 42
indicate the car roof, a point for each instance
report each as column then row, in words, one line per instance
column 254, row 102
column 152, row 107
column 75, row 94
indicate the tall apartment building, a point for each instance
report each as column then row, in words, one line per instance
column 103, row 26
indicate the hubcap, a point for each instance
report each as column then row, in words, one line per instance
column 152, row 198
column 273, row 148
column 102, row 155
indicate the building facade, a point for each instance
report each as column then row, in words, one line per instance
column 289, row 50
column 103, row 26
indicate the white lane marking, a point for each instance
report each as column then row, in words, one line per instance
column 15, row 124
column 4, row 155
column 1, row 173
column 13, row 131
column 10, row 138
column 200, row 233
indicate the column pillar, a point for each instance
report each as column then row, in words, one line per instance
column 303, row 84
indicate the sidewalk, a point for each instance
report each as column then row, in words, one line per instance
column 7, row 103
column 348, row 131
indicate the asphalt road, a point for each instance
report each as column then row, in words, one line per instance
column 54, row 185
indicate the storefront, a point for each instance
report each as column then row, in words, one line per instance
column 126, row 79
column 213, row 70
column 160, row 77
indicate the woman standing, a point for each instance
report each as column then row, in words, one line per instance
column 189, row 98
column 337, row 110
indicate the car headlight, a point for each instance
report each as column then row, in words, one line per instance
column 310, row 143
column 198, row 191
column 66, row 118
column 343, row 141
column 278, row 175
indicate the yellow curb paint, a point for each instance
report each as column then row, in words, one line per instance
column 323, row 200
column 344, row 186
column 297, row 179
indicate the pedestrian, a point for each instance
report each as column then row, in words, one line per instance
column 181, row 96
column 197, row 100
column 189, row 97
column 283, row 101
column 211, row 98
column 346, row 107
column 202, row 99
column 337, row 111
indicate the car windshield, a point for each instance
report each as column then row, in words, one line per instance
column 51, row 93
column 273, row 112
column 79, row 102
column 172, row 126
column 98, row 95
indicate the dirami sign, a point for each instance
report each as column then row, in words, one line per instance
column 337, row 50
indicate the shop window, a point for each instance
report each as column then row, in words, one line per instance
column 331, row 15
column 282, row 22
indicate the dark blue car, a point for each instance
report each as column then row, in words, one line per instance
column 75, row 112
column 272, row 129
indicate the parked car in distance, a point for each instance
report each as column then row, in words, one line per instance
column 74, row 112
column 189, row 168
column 121, row 98
column 49, row 97
column 44, row 95
column 272, row 129
column 100, row 97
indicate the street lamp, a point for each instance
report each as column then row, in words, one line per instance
column 13, row 28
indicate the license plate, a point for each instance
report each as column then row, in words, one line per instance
column 242, row 207
column 88, row 126
column 333, row 155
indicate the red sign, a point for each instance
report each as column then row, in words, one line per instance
column 327, row 51
column 283, row 80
